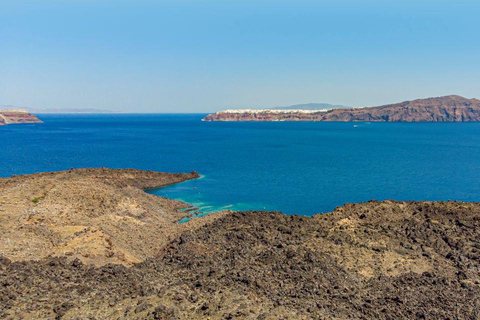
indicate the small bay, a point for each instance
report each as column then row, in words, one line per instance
column 293, row 167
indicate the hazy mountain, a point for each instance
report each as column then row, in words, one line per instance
column 86, row 110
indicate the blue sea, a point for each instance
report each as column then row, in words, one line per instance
column 294, row 167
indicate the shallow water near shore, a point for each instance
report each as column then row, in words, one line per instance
column 294, row 167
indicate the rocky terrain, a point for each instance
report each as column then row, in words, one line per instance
column 95, row 215
column 17, row 116
column 442, row 109
column 374, row 260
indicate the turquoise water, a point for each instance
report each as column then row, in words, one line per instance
column 293, row 167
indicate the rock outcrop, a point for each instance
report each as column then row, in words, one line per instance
column 374, row 260
column 442, row 109
column 17, row 116
column 96, row 215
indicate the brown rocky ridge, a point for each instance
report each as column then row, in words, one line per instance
column 17, row 116
column 96, row 215
column 442, row 109
column 374, row 260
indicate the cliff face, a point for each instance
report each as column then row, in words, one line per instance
column 442, row 109
column 17, row 116
column 265, row 115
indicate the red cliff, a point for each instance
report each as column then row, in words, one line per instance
column 17, row 116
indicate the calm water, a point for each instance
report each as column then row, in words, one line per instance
column 301, row 168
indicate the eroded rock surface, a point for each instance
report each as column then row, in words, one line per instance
column 375, row 260
column 95, row 215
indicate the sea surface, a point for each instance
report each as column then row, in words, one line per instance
column 294, row 167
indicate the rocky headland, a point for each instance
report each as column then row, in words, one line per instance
column 95, row 215
column 442, row 109
column 91, row 244
column 17, row 116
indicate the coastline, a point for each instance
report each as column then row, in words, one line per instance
column 200, row 176
column 94, row 215
column 121, row 251
column 17, row 117
column 451, row 108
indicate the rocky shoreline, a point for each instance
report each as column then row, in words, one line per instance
column 96, row 215
column 374, row 260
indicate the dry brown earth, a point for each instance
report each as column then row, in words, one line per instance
column 374, row 260
column 96, row 215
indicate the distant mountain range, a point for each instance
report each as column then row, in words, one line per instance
column 441, row 109
column 311, row 106
column 51, row 110
column 56, row 110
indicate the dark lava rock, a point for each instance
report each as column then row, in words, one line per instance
column 376, row 260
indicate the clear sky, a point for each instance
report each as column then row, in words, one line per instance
column 202, row 56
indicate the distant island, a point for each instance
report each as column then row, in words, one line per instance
column 441, row 109
column 17, row 116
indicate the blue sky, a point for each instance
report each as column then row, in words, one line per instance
column 202, row 56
